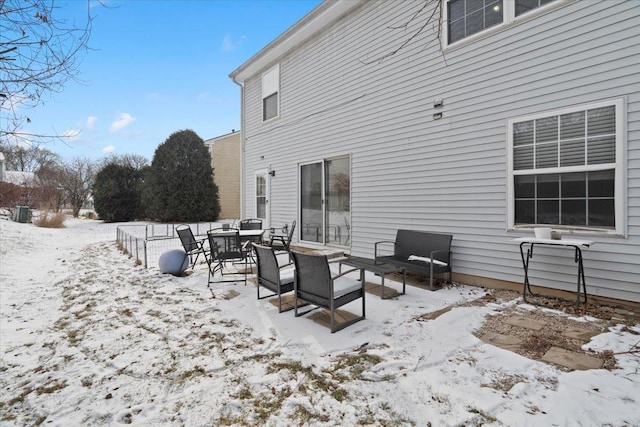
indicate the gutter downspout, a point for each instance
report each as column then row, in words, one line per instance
column 242, row 190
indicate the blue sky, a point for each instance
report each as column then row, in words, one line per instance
column 157, row 67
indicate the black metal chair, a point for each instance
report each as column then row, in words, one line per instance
column 282, row 240
column 225, row 246
column 315, row 284
column 276, row 278
column 191, row 245
column 251, row 224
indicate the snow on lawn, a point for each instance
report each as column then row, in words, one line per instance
column 89, row 338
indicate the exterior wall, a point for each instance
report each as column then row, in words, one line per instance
column 225, row 160
column 449, row 175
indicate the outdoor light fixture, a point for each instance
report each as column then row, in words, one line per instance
column 272, row 173
column 438, row 103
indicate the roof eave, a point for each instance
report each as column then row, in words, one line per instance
column 325, row 14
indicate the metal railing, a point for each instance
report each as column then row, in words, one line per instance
column 146, row 242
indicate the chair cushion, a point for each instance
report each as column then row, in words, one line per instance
column 287, row 275
column 427, row 260
column 343, row 285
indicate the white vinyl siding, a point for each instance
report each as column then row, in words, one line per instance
column 271, row 93
column 450, row 175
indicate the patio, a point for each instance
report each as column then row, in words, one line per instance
column 91, row 338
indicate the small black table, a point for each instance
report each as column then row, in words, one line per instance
column 577, row 245
column 380, row 268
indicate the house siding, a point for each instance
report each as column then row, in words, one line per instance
column 449, row 175
column 225, row 161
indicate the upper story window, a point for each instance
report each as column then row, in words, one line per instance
column 465, row 18
column 566, row 168
column 524, row 6
column 271, row 93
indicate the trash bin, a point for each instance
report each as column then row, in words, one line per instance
column 21, row 214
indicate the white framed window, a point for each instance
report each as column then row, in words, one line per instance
column 470, row 19
column 271, row 94
column 566, row 168
column 525, row 6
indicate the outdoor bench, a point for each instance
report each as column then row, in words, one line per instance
column 419, row 252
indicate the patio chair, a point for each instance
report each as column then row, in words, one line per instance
column 192, row 246
column 315, row 284
column 283, row 240
column 251, row 224
column 276, row 278
column 225, row 246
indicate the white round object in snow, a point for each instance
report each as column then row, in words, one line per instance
column 173, row 262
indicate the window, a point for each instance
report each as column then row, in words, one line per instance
column 465, row 18
column 325, row 201
column 261, row 196
column 270, row 93
column 524, row 6
column 566, row 168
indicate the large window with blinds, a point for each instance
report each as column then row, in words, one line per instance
column 566, row 168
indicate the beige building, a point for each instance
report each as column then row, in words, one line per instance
column 225, row 160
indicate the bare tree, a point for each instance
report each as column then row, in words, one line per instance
column 134, row 161
column 39, row 53
column 53, row 196
column 76, row 179
column 28, row 158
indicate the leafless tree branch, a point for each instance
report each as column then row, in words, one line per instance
column 39, row 54
column 436, row 9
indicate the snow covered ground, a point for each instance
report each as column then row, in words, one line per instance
column 87, row 338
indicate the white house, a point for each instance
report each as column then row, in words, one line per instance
column 23, row 179
column 479, row 118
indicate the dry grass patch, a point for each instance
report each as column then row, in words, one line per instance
column 53, row 221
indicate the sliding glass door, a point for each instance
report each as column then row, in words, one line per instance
column 325, row 201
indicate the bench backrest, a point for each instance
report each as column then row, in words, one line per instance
column 420, row 243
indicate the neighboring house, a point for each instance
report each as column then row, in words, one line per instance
column 225, row 160
column 364, row 118
column 22, row 179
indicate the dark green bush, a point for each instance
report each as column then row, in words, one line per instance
column 117, row 193
column 179, row 184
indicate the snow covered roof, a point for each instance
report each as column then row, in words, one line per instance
column 19, row 178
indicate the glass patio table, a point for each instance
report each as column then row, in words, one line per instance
column 381, row 268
